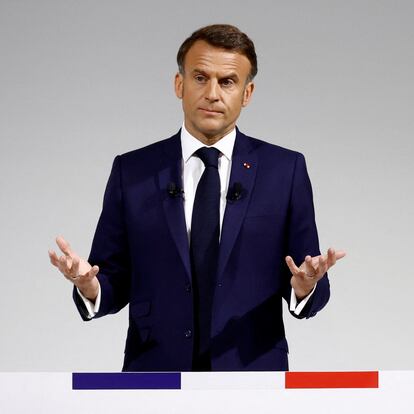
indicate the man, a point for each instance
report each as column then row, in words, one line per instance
column 200, row 233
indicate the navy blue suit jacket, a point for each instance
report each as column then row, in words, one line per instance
column 141, row 247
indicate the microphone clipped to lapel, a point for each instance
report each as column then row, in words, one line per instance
column 235, row 192
column 174, row 191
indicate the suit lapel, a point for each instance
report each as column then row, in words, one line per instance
column 243, row 171
column 171, row 172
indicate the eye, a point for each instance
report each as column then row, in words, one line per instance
column 227, row 82
column 199, row 78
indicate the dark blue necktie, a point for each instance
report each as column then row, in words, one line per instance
column 204, row 247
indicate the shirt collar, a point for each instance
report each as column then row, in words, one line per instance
column 190, row 144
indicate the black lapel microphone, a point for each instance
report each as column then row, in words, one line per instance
column 174, row 191
column 235, row 193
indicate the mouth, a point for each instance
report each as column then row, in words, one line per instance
column 210, row 111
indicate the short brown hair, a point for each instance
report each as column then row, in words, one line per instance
column 224, row 36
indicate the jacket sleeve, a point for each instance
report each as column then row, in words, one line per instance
column 110, row 250
column 302, row 236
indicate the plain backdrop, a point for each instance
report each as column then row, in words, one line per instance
column 83, row 81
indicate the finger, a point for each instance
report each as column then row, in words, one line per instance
column 340, row 254
column 64, row 246
column 291, row 265
column 315, row 261
column 309, row 268
column 331, row 257
column 75, row 267
column 65, row 266
column 322, row 267
column 69, row 263
column 53, row 258
column 62, row 266
column 93, row 272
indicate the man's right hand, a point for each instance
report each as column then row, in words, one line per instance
column 76, row 269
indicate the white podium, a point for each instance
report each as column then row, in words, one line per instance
column 216, row 392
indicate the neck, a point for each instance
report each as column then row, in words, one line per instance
column 208, row 139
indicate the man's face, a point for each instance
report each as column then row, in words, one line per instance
column 213, row 89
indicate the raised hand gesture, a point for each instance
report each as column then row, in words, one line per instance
column 76, row 269
column 305, row 277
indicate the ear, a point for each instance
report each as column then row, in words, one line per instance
column 247, row 94
column 178, row 84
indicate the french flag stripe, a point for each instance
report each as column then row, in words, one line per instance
column 126, row 381
column 361, row 379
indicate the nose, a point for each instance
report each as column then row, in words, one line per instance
column 212, row 91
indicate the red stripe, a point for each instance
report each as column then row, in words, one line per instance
column 331, row 379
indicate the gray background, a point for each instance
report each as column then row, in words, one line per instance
column 82, row 81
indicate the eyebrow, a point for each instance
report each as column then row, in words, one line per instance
column 231, row 75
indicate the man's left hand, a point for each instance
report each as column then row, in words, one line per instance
column 305, row 277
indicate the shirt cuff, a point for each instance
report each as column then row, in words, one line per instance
column 92, row 308
column 294, row 307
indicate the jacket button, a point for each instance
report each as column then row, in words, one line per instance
column 188, row 288
column 188, row 333
column 219, row 284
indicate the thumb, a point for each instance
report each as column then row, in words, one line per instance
column 92, row 272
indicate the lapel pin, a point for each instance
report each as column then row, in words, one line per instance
column 246, row 165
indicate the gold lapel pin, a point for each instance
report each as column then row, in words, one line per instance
column 246, row 165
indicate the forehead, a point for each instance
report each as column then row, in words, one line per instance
column 209, row 58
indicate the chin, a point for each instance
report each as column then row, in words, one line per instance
column 210, row 128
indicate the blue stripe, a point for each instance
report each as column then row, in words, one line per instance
column 126, row 381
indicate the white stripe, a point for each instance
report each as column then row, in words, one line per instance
column 232, row 380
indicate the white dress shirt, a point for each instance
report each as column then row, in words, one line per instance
column 192, row 169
